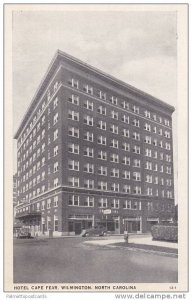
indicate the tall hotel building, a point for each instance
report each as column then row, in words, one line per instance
column 93, row 150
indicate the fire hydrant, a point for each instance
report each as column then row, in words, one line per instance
column 126, row 237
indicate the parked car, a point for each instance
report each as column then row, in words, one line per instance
column 94, row 231
column 23, row 234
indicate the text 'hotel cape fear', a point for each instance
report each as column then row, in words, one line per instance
column 93, row 150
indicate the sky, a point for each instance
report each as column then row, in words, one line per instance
column 140, row 48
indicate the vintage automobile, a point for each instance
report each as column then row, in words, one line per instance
column 94, row 231
column 24, row 234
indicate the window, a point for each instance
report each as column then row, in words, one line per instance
column 43, row 205
column 149, row 191
column 148, row 165
column 88, row 89
column 102, row 202
column 43, row 176
column 167, row 146
column 147, row 127
column 88, row 120
column 137, row 163
column 102, row 155
column 160, row 131
column 43, row 147
column 55, row 150
column 137, row 190
column 113, row 100
column 115, row 203
column 147, row 114
column 48, row 203
column 88, row 152
column 136, row 136
column 136, row 149
column 74, row 83
column 55, row 118
column 168, row 170
column 114, row 143
column 88, row 136
column 114, row 128
column 88, row 168
column 56, row 167
column 102, row 140
column 56, row 223
column 167, row 134
column 156, row 180
column 126, row 160
column 102, row 170
column 125, row 133
column 125, row 146
column 43, row 133
column 55, row 134
column 125, row 104
column 88, row 104
column 148, row 152
column 73, row 115
column 74, row 99
column 126, row 174
column 135, row 122
column 56, row 182
column 114, row 158
column 136, row 109
column 102, row 185
column 73, row 165
column 89, row 201
column 115, row 187
column 155, row 142
column 137, row 176
column 73, row 148
column 89, row 183
column 101, row 95
column 114, row 115
column 114, row 173
column 43, row 122
column 101, row 110
column 73, row 200
column 166, row 122
column 39, row 125
column 149, row 178
column 55, row 103
column 101, row 125
column 72, row 131
column 73, row 181
column 125, row 119
column 147, row 139
column 126, row 204
column 56, row 201
column 43, row 161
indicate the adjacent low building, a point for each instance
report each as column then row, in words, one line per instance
column 93, row 150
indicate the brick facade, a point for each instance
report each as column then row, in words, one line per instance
column 88, row 143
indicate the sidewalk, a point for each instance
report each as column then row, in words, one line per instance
column 143, row 240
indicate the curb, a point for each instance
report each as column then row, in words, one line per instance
column 169, row 254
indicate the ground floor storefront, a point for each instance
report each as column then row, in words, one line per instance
column 70, row 211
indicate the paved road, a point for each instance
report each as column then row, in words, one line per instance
column 68, row 260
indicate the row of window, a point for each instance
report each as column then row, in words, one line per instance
column 88, row 104
column 115, row 101
column 90, row 201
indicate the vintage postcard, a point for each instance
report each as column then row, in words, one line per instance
column 96, row 148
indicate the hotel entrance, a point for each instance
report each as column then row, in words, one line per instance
column 133, row 225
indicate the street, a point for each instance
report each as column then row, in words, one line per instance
column 69, row 260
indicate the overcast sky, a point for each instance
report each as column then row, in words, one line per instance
column 136, row 47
